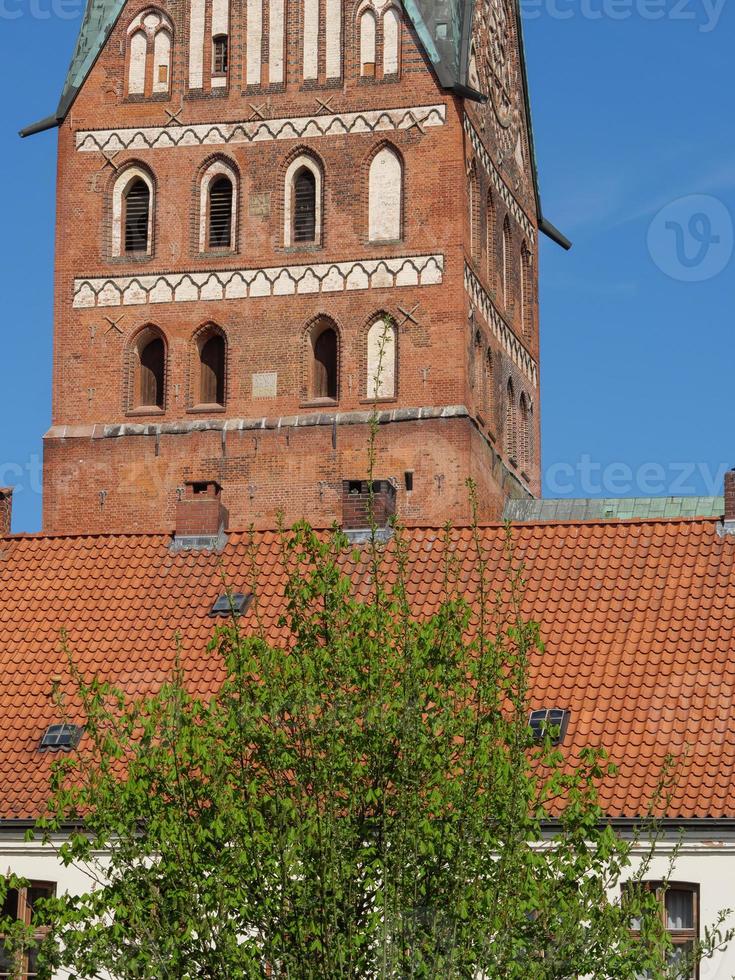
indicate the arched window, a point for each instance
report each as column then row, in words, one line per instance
column 304, row 209
column 137, row 65
column 487, row 388
column 136, row 207
column 149, row 53
column 524, row 448
column 511, row 435
column 474, row 205
column 367, row 43
column 132, row 213
column 323, row 367
column 218, row 203
column 391, row 41
column 149, row 382
column 381, row 359
column 490, row 239
column 220, row 213
column 527, row 317
column 212, row 359
column 385, row 196
column 303, row 203
column 507, row 249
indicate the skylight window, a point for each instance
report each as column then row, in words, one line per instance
column 234, row 603
column 61, row 737
column 549, row 723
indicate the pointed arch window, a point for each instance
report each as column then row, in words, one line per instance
column 218, row 202
column 323, row 366
column 507, row 250
column 487, row 388
column 137, row 204
column 132, row 213
column 474, row 206
column 391, row 42
column 381, row 360
column 303, row 203
column 490, row 240
column 511, row 434
column 385, row 196
column 212, row 360
column 368, row 32
column 526, row 294
column 525, row 451
column 149, row 371
column 220, row 213
column 150, row 40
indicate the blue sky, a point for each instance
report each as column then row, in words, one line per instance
column 633, row 117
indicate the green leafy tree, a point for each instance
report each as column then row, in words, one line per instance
column 362, row 798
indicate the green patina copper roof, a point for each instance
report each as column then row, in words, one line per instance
column 99, row 19
column 613, row 508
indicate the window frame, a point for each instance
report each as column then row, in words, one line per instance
column 24, row 914
column 122, row 182
column 224, row 70
column 299, row 162
column 679, row 937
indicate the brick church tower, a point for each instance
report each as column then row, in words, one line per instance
column 272, row 217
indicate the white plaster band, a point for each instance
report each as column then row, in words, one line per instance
column 191, row 287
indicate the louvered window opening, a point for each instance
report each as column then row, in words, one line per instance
column 220, row 55
column 304, row 206
column 220, row 213
column 137, row 210
column 325, row 365
column 212, row 385
column 152, row 368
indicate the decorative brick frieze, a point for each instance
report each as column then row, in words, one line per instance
column 503, row 333
column 232, row 133
column 186, row 426
column 327, row 277
column 505, row 193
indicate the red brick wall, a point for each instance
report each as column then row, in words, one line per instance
column 91, row 354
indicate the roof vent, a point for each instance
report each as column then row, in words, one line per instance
column 549, row 723
column 57, row 737
column 232, row 604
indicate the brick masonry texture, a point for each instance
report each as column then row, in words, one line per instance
column 443, row 329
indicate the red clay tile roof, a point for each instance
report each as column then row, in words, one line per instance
column 637, row 616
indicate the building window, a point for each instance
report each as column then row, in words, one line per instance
column 381, row 360
column 385, row 196
column 132, row 213
column 524, row 448
column 507, row 246
column 391, row 41
column 490, row 240
column 137, row 204
column 220, row 213
column 527, row 318
column 212, row 360
column 19, row 904
column 367, row 44
column 678, row 905
column 474, row 205
column 220, row 54
column 304, row 209
column 149, row 371
column 487, row 388
column 303, row 203
column 218, row 204
column 323, row 369
column 511, row 435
